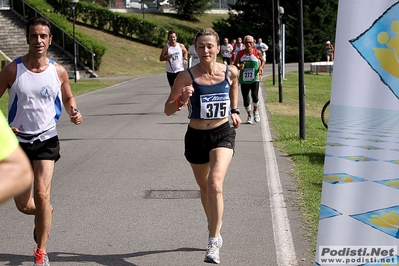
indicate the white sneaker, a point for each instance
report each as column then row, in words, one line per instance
column 212, row 253
column 249, row 120
column 220, row 239
column 256, row 116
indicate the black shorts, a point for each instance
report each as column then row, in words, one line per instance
column 227, row 60
column 42, row 150
column 199, row 143
column 171, row 77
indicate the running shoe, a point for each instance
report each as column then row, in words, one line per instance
column 41, row 258
column 212, row 253
column 249, row 120
column 220, row 239
column 256, row 116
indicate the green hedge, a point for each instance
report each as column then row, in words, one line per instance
column 102, row 18
column 50, row 13
column 92, row 15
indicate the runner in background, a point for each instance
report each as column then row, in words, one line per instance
column 251, row 63
column 233, row 54
column 192, row 55
column 175, row 56
column 238, row 47
column 226, row 50
column 329, row 51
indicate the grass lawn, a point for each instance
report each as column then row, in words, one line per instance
column 307, row 155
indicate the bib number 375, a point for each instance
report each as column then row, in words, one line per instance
column 215, row 106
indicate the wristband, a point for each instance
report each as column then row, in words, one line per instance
column 179, row 102
column 235, row 111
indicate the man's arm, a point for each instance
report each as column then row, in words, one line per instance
column 262, row 63
column 7, row 77
column 164, row 54
column 68, row 99
column 237, row 61
column 185, row 52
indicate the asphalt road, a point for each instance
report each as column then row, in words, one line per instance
column 124, row 195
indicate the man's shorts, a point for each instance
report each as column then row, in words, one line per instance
column 42, row 150
column 227, row 60
column 171, row 77
column 199, row 143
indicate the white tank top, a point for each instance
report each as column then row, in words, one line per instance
column 35, row 103
column 175, row 64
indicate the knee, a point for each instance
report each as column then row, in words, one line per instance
column 214, row 188
column 24, row 208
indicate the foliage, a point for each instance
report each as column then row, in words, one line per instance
column 189, row 9
column 46, row 10
column 97, row 16
column 255, row 18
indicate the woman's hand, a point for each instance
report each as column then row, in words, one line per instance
column 186, row 93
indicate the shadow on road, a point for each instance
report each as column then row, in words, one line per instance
column 107, row 260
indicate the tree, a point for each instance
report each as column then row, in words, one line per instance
column 189, row 9
column 254, row 17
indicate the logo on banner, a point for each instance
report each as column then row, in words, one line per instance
column 379, row 46
column 371, row 255
column 385, row 220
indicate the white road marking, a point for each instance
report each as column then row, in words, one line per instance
column 285, row 251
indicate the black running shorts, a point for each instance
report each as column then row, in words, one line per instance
column 198, row 143
column 171, row 77
column 42, row 150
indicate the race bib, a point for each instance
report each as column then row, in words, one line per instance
column 248, row 74
column 215, row 106
column 175, row 56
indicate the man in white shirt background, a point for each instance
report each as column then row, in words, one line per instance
column 262, row 48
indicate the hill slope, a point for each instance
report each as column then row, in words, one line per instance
column 125, row 57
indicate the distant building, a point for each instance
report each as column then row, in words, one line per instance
column 219, row 4
column 223, row 4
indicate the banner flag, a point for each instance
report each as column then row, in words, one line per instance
column 359, row 211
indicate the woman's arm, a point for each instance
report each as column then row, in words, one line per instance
column 181, row 92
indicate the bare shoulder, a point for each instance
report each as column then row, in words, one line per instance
column 184, row 77
column 61, row 71
column 233, row 71
column 60, row 68
column 8, row 73
column 10, row 68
